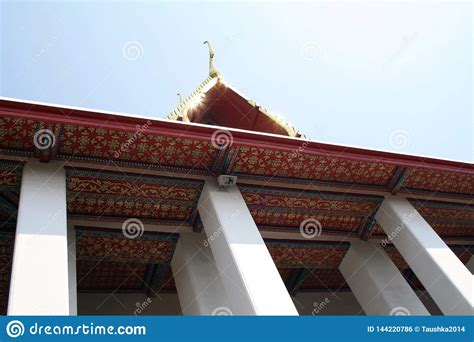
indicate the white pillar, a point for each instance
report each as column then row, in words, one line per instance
column 197, row 278
column 40, row 280
column 239, row 252
column 377, row 283
column 440, row 271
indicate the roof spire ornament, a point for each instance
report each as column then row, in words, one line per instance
column 213, row 72
column 180, row 98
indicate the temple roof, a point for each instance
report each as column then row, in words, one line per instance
column 294, row 174
column 122, row 166
column 215, row 102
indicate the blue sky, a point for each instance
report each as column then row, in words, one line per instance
column 391, row 76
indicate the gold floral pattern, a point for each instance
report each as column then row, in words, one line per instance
column 78, row 141
column 439, row 181
column 16, row 134
column 275, row 163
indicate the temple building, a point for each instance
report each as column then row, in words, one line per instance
column 222, row 208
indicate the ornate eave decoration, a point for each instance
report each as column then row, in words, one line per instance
column 180, row 113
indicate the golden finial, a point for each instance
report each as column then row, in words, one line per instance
column 213, row 72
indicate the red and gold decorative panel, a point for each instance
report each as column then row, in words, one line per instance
column 109, row 261
column 447, row 219
column 106, row 138
column 104, row 195
column 288, row 164
column 16, row 134
column 323, row 279
column 322, row 201
column 453, row 229
column 289, row 221
column 105, row 275
column 8, row 177
column 169, row 152
column 113, row 245
column 301, row 254
column 138, row 186
column 442, row 211
column 104, row 206
column 433, row 181
column 277, row 209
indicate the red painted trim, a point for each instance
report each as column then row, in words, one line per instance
column 56, row 114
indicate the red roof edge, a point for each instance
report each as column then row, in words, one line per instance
column 90, row 118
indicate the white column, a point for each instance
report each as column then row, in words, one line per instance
column 197, row 278
column 443, row 275
column 377, row 283
column 239, row 252
column 40, row 274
